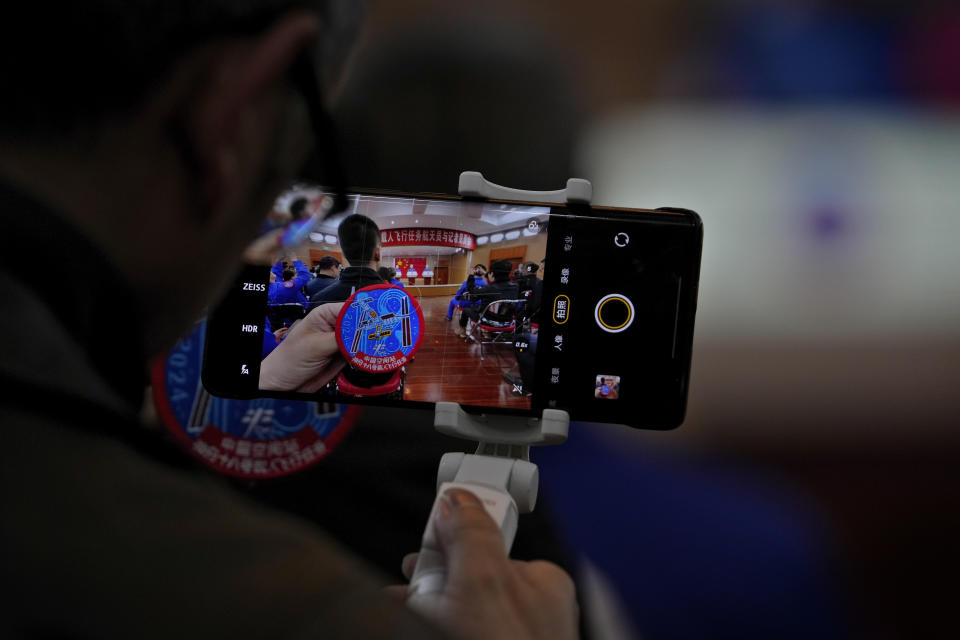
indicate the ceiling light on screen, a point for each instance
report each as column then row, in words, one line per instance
column 482, row 240
column 512, row 235
column 330, row 239
column 496, row 237
column 316, row 237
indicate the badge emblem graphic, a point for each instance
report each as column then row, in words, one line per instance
column 257, row 438
column 379, row 328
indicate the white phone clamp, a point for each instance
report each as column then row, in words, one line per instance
column 499, row 472
column 474, row 185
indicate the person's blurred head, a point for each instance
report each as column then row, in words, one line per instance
column 288, row 274
column 298, row 208
column 387, row 273
column 479, row 270
column 150, row 124
column 500, row 269
column 328, row 265
column 530, row 269
column 520, row 96
column 360, row 241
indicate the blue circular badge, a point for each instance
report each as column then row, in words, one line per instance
column 379, row 328
column 258, row 438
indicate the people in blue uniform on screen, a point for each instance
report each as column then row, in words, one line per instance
column 479, row 280
column 286, row 282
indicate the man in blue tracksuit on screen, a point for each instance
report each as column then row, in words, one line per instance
column 479, row 271
column 286, row 283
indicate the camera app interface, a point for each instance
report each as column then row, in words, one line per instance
column 619, row 298
column 427, row 300
column 513, row 306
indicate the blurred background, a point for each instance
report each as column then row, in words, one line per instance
column 820, row 142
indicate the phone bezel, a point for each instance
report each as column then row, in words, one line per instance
column 684, row 342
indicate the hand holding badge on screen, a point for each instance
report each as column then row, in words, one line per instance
column 380, row 328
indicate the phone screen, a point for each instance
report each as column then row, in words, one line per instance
column 505, row 307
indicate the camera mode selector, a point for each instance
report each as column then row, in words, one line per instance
column 621, row 239
column 614, row 313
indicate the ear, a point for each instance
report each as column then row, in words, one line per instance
column 376, row 254
column 235, row 107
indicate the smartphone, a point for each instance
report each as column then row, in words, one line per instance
column 602, row 328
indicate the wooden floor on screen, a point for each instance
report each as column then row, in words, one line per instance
column 449, row 368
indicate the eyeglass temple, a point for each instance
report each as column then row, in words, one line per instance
column 327, row 141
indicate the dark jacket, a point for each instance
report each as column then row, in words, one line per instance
column 318, row 284
column 113, row 532
column 493, row 291
column 477, row 281
column 351, row 279
column 503, row 290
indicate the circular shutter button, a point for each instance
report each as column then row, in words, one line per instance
column 614, row 313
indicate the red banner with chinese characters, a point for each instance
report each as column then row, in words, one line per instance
column 427, row 237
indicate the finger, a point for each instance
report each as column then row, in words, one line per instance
column 325, row 374
column 471, row 541
column 315, row 336
column 408, row 564
column 319, row 346
column 397, row 592
column 324, row 317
